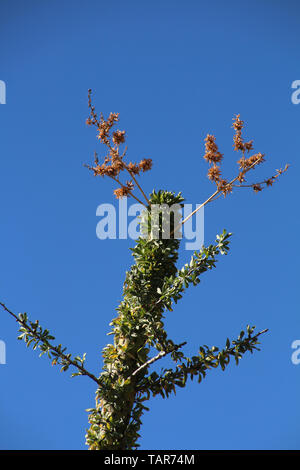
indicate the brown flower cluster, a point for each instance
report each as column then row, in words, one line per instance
column 114, row 162
column 145, row 165
column 214, row 173
column 247, row 163
column 212, row 154
column 239, row 143
column 224, row 186
column 124, row 190
column 214, row 158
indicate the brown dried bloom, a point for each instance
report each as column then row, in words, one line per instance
column 111, row 170
column 238, row 124
column 248, row 145
column 98, row 169
column 224, row 186
column 246, row 163
column 241, row 163
column 214, row 173
column 145, row 164
column 257, row 187
column 119, row 165
column 238, row 142
column 270, row 181
column 112, row 118
column 255, row 159
column 103, row 134
column 120, row 192
column 124, row 190
column 134, row 168
column 118, row 137
column 129, row 185
column 212, row 154
column 114, row 153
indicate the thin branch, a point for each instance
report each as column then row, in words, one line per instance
column 54, row 349
column 130, row 193
column 213, row 196
column 199, row 365
column 136, row 182
column 156, row 358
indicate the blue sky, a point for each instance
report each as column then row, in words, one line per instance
column 175, row 71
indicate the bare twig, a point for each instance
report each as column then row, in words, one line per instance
column 136, row 182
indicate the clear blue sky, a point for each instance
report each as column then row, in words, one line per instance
column 175, row 71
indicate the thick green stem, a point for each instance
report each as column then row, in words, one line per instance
column 116, row 420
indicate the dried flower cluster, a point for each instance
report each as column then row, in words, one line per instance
column 214, row 158
column 114, row 162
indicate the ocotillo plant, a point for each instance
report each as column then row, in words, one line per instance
column 151, row 287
